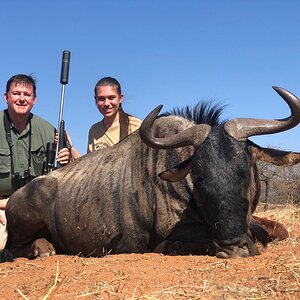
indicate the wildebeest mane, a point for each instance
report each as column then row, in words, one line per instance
column 204, row 112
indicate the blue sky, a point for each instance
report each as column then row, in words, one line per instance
column 169, row 52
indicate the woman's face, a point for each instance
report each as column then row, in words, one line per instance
column 108, row 100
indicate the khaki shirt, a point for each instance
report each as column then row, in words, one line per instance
column 42, row 132
column 100, row 137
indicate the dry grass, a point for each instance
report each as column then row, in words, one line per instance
column 275, row 274
column 289, row 215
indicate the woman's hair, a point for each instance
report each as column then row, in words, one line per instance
column 110, row 82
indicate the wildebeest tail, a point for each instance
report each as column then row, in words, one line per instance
column 259, row 234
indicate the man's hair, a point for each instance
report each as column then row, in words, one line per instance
column 21, row 79
column 110, row 82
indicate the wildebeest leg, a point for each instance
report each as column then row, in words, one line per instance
column 275, row 230
column 25, row 246
column 182, row 248
column 39, row 248
column 28, row 234
column 186, row 238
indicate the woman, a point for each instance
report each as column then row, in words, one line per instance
column 116, row 124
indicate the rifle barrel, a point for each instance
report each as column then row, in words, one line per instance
column 65, row 64
column 64, row 77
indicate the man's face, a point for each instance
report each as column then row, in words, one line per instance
column 108, row 100
column 20, row 98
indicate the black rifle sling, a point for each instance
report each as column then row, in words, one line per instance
column 7, row 128
column 8, row 138
column 6, row 121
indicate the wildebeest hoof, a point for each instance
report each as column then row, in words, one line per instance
column 161, row 248
column 42, row 248
column 5, row 256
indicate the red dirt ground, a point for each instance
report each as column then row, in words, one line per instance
column 275, row 274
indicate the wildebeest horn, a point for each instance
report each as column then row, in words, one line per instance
column 241, row 129
column 193, row 136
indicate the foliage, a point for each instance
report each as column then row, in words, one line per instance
column 279, row 184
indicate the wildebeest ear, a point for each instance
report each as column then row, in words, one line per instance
column 178, row 172
column 275, row 156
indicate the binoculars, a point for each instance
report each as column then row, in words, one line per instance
column 19, row 181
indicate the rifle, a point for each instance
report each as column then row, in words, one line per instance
column 51, row 154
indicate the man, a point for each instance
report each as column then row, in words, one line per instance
column 23, row 142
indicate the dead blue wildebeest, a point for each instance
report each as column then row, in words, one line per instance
column 174, row 186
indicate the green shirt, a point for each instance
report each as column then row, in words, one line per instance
column 42, row 132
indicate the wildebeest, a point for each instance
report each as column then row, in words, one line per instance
column 171, row 184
